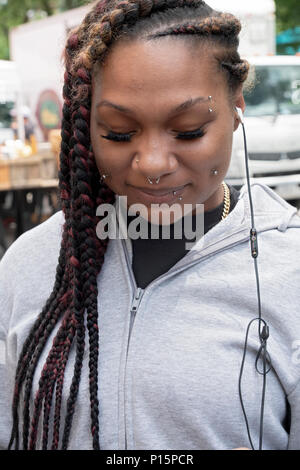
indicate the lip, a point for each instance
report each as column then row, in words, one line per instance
column 160, row 195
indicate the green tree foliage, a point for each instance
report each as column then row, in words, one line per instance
column 287, row 14
column 16, row 12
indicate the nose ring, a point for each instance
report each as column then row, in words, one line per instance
column 148, row 177
column 151, row 182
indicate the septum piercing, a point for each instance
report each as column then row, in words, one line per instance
column 148, row 177
column 151, row 182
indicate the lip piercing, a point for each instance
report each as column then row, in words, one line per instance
column 180, row 197
column 210, row 109
column 214, row 172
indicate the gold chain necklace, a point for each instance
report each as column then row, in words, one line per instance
column 226, row 201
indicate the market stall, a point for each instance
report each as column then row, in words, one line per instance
column 27, row 181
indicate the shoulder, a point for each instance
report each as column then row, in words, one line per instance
column 28, row 267
column 278, row 227
column 41, row 240
column 271, row 212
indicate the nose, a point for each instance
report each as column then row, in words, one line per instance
column 154, row 158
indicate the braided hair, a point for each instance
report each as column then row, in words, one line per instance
column 72, row 306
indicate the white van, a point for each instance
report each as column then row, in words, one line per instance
column 272, row 124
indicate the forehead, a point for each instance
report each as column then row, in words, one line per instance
column 160, row 70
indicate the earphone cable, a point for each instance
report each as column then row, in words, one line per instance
column 264, row 332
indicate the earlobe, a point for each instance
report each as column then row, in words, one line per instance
column 236, row 120
column 240, row 102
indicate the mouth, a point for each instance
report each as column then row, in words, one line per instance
column 160, row 195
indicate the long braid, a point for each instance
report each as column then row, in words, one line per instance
column 35, row 336
column 89, row 266
column 59, row 386
column 80, row 184
column 58, row 365
column 43, row 320
column 42, row 393
column 74, row 297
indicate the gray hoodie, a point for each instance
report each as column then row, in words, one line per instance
column 170, row 354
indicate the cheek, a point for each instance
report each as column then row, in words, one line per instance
column 214, row 149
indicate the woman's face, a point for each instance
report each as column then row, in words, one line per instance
column 156, row 92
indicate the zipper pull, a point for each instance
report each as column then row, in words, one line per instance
column 134, row 307
column 136, row 300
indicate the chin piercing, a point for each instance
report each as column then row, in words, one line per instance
column 214, row 172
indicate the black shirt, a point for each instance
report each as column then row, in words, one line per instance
column 154, row 257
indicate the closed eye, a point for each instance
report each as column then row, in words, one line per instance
column 191, row 134
column 197, row 133
column 118, row 137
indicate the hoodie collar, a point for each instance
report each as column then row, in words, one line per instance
column 270, row 212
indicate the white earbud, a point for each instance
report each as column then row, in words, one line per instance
column 240, row 113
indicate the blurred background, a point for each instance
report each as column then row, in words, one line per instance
column 32, row 38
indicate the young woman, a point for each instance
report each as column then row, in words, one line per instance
column 137, row 343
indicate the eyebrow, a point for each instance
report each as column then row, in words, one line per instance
column 179, row 108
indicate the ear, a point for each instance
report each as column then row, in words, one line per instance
column 239, row 102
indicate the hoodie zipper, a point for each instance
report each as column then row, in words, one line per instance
column 138, row 294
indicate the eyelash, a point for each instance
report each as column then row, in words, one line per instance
column 197, row 133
